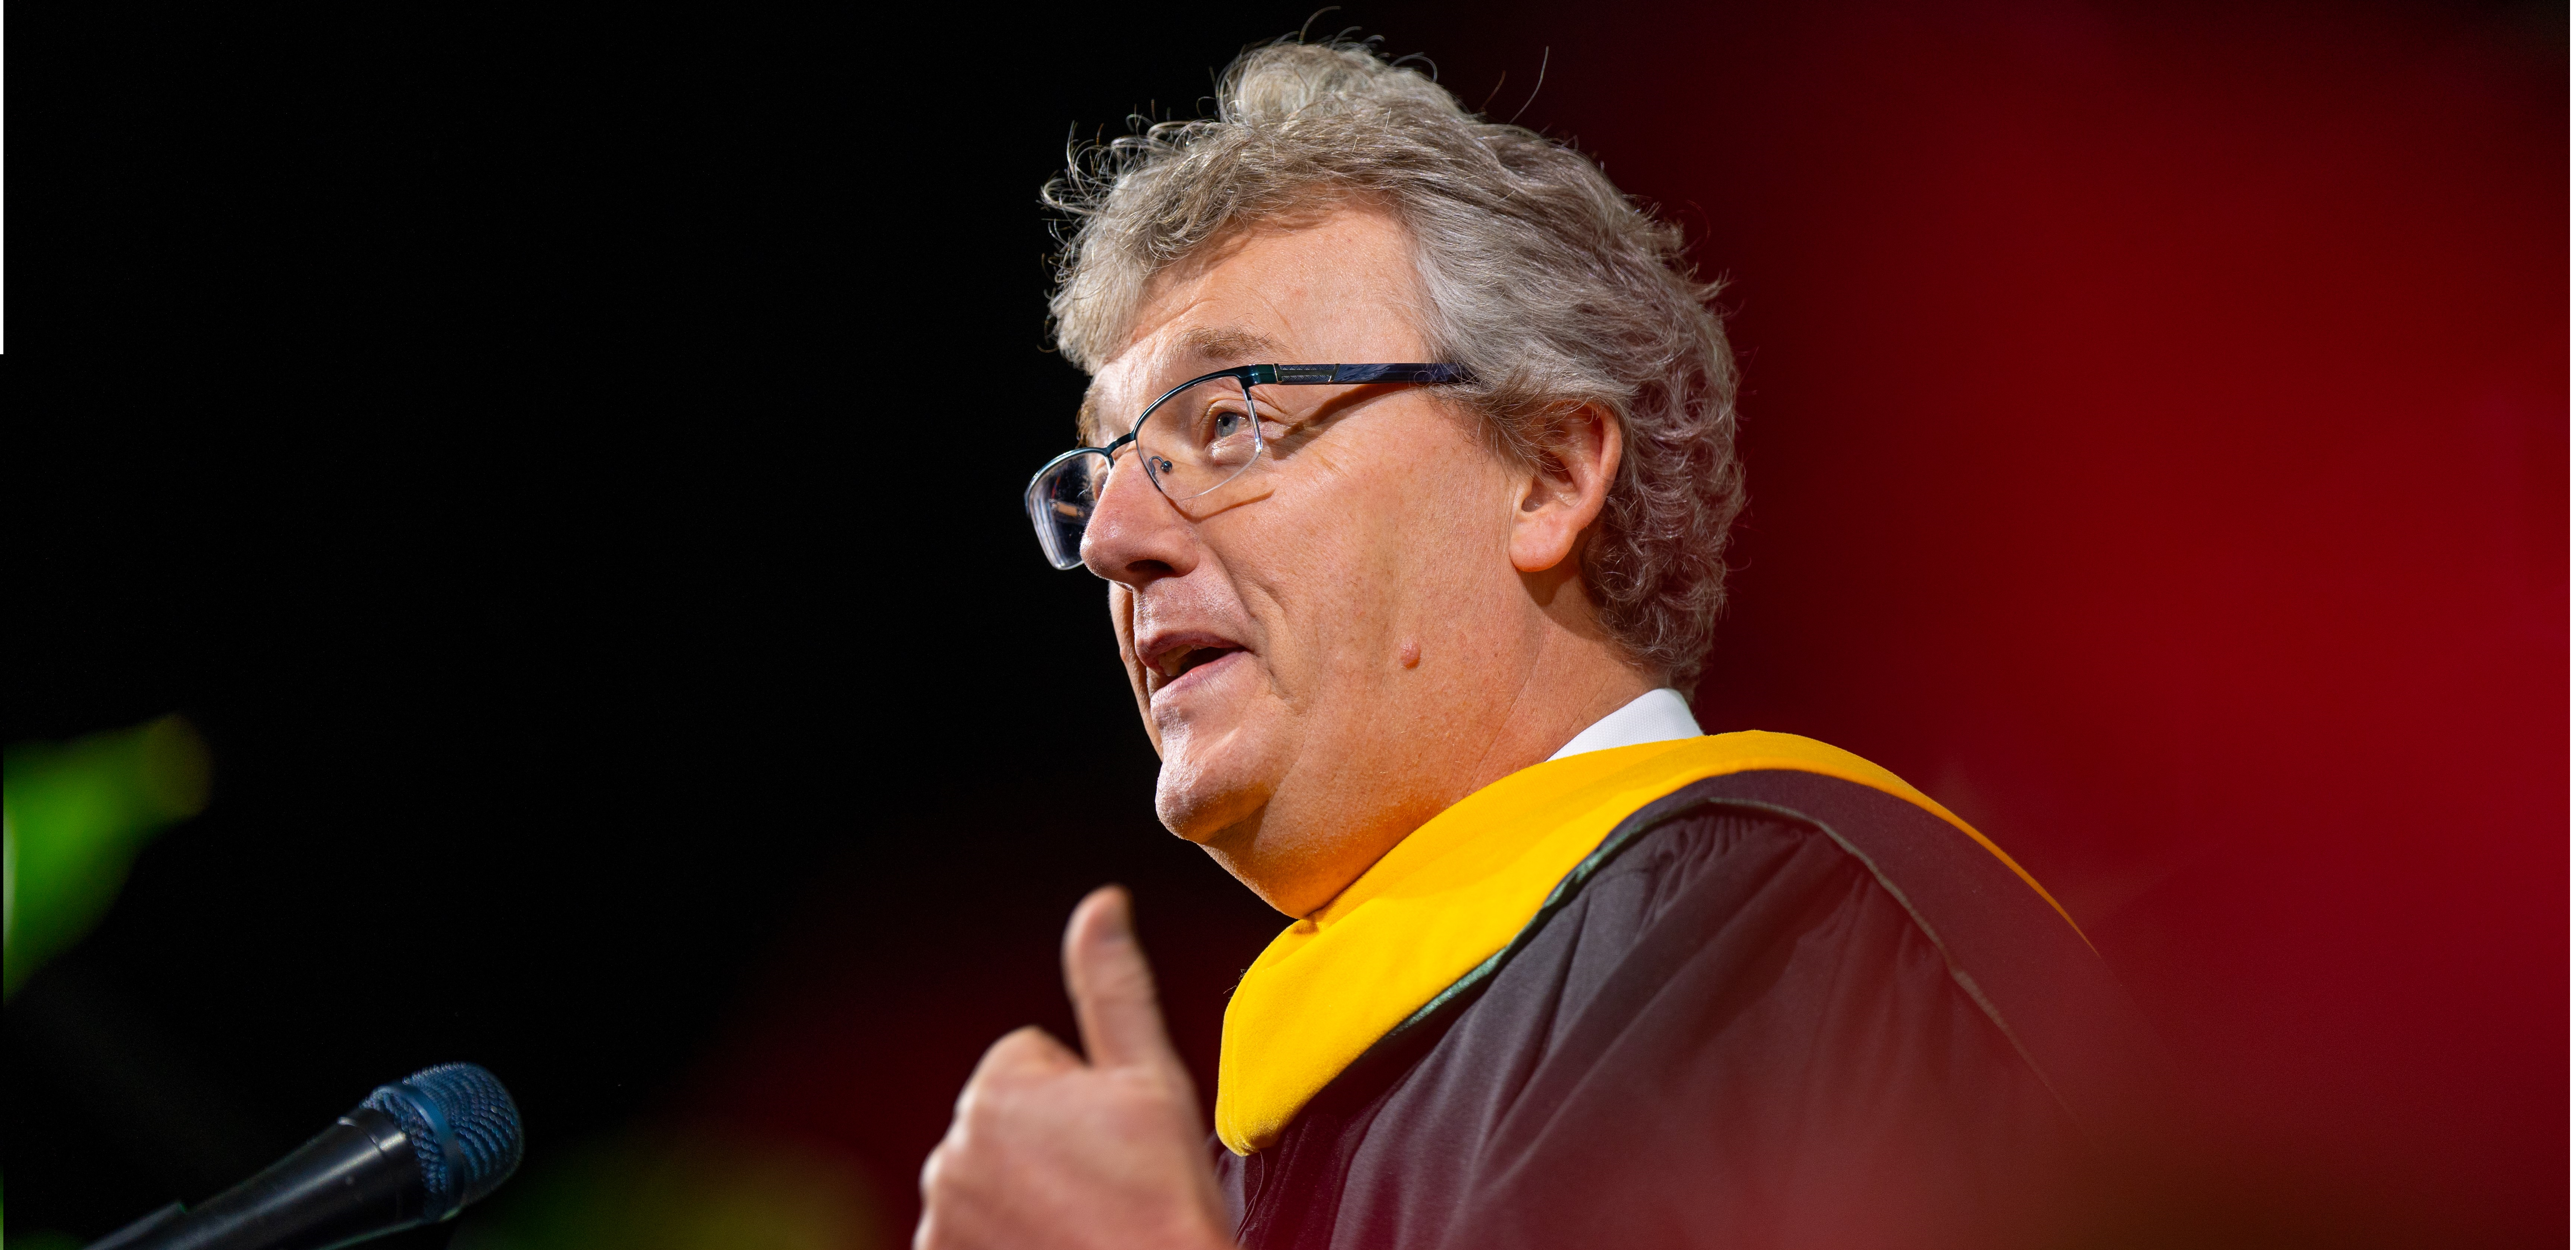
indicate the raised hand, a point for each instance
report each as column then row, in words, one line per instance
column 1048, row 1150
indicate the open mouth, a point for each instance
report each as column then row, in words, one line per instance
column 1178, row 660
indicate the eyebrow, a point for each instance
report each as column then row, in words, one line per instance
column 1208, row 348
column 1230, row 345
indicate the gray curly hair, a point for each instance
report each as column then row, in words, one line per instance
column 1552, row 288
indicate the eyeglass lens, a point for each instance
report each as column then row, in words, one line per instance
column 1197, row 439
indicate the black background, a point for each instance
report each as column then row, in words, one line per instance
column 567, row 468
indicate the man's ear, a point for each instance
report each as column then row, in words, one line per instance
column 1561, row 495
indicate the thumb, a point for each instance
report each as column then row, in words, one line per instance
column 1112, row 988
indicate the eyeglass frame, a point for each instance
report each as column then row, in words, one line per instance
column 1250, row 376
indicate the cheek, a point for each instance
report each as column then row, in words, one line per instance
column 1122, row 623
column 1332, row 578
column 1386, row 536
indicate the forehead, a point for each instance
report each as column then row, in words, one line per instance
column 1341, row 289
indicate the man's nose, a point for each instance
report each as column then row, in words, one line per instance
column 1136, row 535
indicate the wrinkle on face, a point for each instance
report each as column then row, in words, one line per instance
column 1381, row 525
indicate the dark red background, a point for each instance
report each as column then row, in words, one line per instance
column 594, row 464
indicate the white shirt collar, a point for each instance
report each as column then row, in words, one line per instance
column 1655, row 716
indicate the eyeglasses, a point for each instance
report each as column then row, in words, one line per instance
column 1199, row 436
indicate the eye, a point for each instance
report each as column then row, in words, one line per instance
column 1225, row 424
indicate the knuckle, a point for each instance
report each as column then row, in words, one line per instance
column 976, row 1102
column 1007, row 1052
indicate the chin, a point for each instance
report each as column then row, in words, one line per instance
column 1200, row 800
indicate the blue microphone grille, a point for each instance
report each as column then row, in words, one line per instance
column 463, row 1127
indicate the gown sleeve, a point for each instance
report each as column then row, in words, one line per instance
column 1781, row 1054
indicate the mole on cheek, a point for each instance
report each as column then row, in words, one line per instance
column 1410, row 654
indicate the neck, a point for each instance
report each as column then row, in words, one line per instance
column 1380, row 781
column 1576, row 684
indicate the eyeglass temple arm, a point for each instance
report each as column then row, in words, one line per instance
column 1330, row 375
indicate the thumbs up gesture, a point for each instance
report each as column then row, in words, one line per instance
column 1050, row 1150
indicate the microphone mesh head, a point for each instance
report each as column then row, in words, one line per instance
column 480, row 1115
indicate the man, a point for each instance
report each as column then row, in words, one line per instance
column 1409, row 463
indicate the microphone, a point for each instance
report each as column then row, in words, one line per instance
column 415, row 1152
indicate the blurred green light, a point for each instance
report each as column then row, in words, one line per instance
column 72, row 816
column 676, row 1189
